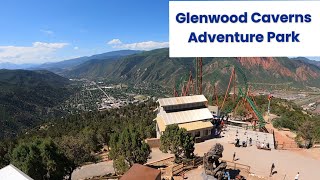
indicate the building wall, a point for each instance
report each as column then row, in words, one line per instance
column 153, row 142
column 158, row 131
column 203, row 132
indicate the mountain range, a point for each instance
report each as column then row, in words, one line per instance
column 157, row 67
column 71, row 63
column 27, row 97
column 309, row 61
column 8, row 65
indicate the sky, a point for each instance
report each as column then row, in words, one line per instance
column 37, row 31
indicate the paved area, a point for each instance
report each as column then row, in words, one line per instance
column 287, row 163
column 91, row 170
column 233, row 132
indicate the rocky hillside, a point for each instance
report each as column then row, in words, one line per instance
column 317, row 63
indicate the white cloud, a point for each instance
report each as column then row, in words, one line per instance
column 147, row 45
column 37, row 53
column 76, row 48
column 47, row 32
column 49, row 45
column 114, row 41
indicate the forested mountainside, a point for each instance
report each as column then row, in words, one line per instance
column 28, row 96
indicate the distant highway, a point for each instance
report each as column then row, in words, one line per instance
column 101, row 90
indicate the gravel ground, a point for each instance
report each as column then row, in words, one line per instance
column 157, row 155
column 287, row 163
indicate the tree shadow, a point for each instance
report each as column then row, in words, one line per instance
column 156, row 167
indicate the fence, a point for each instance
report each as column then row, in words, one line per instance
column 235, row 165
column 177, row 169
column 167, row 161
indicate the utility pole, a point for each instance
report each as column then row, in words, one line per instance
column 269, row 99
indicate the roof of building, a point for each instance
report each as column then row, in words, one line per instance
column 138, row 172
column 11, row 172
column 160, row 123
column 185, row 116
column 188, row 126
column 182, row 100
column 237, row 122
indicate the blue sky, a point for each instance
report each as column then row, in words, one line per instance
column 37, row 31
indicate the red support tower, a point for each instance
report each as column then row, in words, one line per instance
column 189, row 84
column 199, row 75
column 227, row 92
column 234, row 85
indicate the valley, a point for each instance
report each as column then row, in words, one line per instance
column 100, row 95
column 117, row 79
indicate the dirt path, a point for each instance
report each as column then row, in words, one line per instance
column 284, row 139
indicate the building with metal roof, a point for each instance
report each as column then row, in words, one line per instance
column 173, row 101
column 214, row 110
column 141, row 172
column 189, row 112
column 10, row 172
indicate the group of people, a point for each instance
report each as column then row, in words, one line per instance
column 243, row 143
column 264, row 145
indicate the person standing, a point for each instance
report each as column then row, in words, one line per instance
column 272, row 168
column 297, row 176
column 234, row 156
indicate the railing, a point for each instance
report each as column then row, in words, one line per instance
column 258, row 174
column 235, row 165
column 197, row 161
column 176, row 169
column 316, row 144
column 161, row 162
column 104, row 177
